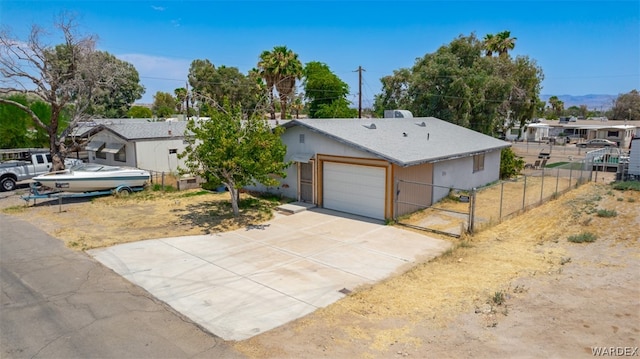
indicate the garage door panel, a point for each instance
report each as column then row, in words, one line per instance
column 354, row 189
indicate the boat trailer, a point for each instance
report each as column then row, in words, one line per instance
column 35, row 193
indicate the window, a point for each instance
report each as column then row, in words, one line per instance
column 302, row 138
column 100, row 153
column 121, row 155
column 478, row 162
column 173, row 151
column 612, row 134
column 515, row 131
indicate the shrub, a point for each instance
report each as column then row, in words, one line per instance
column 629, row 185
column 498, row 298
column 607, row 213
column 582, row 237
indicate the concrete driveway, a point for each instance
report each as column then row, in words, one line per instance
column 242, row 283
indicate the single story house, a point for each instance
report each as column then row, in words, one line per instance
column 152, row 146
column 585, row 130
column 621, row 134
column 357, row 165
column 536, row 132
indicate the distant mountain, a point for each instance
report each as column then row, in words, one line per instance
column 603, row 102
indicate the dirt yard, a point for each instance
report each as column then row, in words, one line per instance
column 517, row 289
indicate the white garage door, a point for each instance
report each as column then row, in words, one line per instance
column 354, row 189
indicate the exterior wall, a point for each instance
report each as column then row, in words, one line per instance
column 634, row 158
column 413, row 196
column 108, row 137
column 537, row 134
column 458, row 173
column 153, row 155
column 622, row 138
column 313, row 144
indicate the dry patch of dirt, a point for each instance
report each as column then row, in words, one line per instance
column 516, row 289
column 108, row 220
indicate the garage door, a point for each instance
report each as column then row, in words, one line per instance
column 354, row 189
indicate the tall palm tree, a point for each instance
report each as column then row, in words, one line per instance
column 505, row 43
column 489, row 43
column 267, row 69
column 280, row 68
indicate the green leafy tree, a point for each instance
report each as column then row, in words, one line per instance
column 14, row 129
column 117, row 92
column 460, row 85
column 326, row 92
column 524, row 77
column 396, row 92
column 233, row 152
column 510, row 164
column 627, row 106
column 68, row 78
column 280, row 68
column 336, row 109
column 139, row 112
column 164, row 104
column 212, row 86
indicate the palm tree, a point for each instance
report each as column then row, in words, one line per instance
column 504, row 43
column 489, row 43
column 266, row 69
column 280, row 68
column 181, row 98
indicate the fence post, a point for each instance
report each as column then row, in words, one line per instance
column 162, row 180
column 542, row 186
column 557, row 178
column 501, row 196
column 524, row 193
column 395, row 201
column 571, row 173
column 472, row 210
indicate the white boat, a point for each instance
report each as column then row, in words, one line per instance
column 94, row 177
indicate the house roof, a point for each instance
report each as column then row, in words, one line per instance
column 404, row 141
column 148, row 130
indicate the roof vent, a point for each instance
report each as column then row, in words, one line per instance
column 371, row 126
column 421, row 124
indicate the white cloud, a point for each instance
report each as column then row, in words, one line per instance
column 157, row 8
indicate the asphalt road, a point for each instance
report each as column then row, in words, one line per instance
column 58, row 303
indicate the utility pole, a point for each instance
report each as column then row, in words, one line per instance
column 187, row 100
column 359, row 70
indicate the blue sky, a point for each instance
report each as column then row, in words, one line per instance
column 583, row 47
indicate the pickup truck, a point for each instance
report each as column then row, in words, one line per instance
column 15, row 171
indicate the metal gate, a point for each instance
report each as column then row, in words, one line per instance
column 451, row 214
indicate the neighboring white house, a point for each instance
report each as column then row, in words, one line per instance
column 634, row 158
column 621, row 134
column 586, row 130
column 355, row 165
column 536, row 132
column 151, row 146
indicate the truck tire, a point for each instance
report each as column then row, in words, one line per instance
column 7, row 184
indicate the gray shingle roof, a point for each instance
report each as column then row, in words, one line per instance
column 148, row 130
column 404, row 141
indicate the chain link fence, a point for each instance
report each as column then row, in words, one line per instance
column 470, row 210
